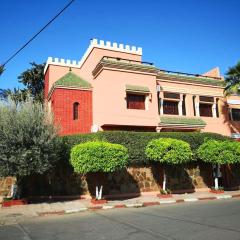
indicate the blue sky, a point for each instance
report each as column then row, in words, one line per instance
column 188, row 35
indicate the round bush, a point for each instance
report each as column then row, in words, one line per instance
column 169, row 151
column 98, row 157
column 219, row 152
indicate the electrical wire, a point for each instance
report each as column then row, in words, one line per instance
column 32, row 38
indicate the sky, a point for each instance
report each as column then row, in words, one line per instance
column 179, row 35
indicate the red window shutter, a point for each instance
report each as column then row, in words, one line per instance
column 170, row 107
column 135, row 101
column 205, row 110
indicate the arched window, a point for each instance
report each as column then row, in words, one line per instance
column 75, row 110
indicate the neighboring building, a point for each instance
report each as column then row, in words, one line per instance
column 112, row 89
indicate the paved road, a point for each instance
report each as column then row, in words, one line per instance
column 201, row 220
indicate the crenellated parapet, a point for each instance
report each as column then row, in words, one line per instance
column 61, row 62
column 116, row 47
column 94, row 43
column 113, row 46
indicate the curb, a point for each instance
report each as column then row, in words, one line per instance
column 191, row 199
column 167, row 201
column 224, row 196
column 75, row 210
column 136, row 205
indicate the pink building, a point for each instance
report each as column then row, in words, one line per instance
column 110, row 88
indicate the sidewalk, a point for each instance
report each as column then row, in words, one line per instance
column 65, row 207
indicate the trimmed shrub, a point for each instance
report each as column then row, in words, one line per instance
column 98, row 157
column 136, row 142
column 219, row 152
column 169, row 151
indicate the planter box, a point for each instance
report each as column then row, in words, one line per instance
column 216, row 191
column 96, row 201
column 164, row 195
column 10, row 203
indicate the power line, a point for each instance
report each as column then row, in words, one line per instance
column 32, row 38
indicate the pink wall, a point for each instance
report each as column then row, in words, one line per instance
column 46, row 84
column 109, row 103
column 55, row 72
column 97, row 54
column 217, row 125
column 108, row 106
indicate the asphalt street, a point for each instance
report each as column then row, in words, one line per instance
column 198, row 220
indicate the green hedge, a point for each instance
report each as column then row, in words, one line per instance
column 136, row 142
column 98, row 157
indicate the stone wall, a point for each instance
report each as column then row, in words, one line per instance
column 5, row 185
column 136, row 179
column 150, row 178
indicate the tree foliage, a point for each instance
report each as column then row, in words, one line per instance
column 136, row 142
column 233, row 80
column 98, row 157
column 219, row 152
column 16, row 95
column 169, row 151
column 28, row 139
column 33, row 81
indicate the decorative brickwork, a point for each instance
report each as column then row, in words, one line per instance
column 62, row 101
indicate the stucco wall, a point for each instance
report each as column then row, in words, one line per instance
column 109, row 99
column 55, row 72
column 109, row 108
column 97, row 54
column 221, row 124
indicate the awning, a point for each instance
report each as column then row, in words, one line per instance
column 136, row 88
column 181, row 122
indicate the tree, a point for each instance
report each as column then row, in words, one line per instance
column 219, row 153
column 168, row 151
column 233, row 80
column 28, row 139
column 33, row 80
column 16, row 95
column 92, row 157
